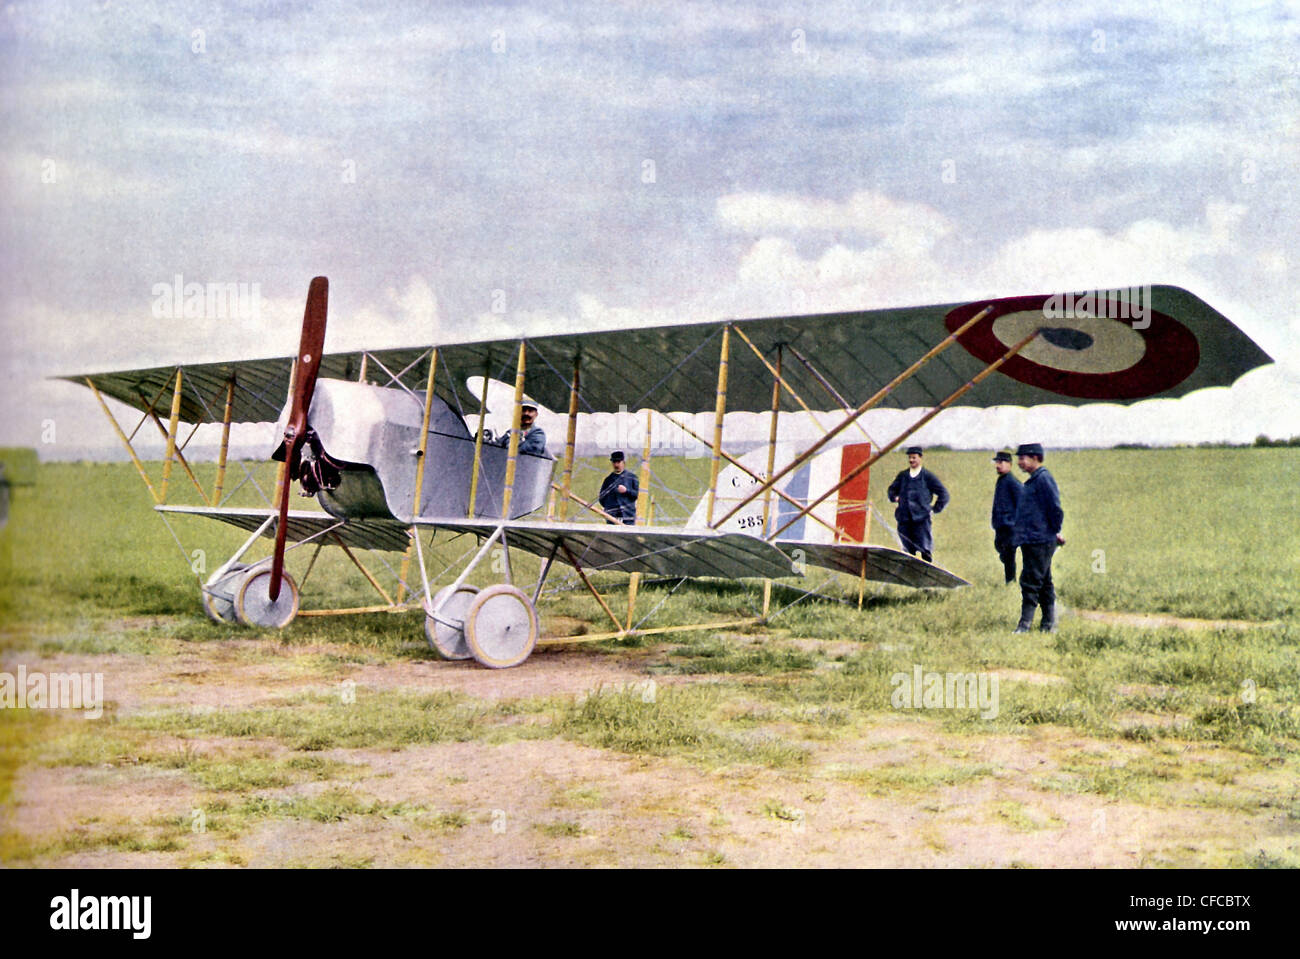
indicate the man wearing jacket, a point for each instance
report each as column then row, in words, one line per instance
column 531, row 438
column 913, row 490
column 619, row 491
column 1006, row 496
column 1037, row 532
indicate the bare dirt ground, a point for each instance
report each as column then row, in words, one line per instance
column 893, row 790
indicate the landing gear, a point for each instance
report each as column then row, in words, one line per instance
column 501, row 626
column 241, row 594
column 253, row 603
column 446, row 631
column 219, row 593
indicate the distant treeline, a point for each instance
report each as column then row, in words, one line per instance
column 1260, row 441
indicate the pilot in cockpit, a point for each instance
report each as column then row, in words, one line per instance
column 531, row 438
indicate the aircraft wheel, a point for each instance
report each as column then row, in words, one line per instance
column 219, row 594
column 449, row 640
column 501, row 626
column 253, row 606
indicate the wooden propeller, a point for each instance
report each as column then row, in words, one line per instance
column 306, row 367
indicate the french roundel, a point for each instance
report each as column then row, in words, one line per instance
column 1084, row 349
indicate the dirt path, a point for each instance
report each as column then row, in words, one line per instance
column 891, row 790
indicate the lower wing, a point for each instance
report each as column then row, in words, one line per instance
column 656, row 551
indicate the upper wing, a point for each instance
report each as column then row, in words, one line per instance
column 1180, row 345
column 259, row 389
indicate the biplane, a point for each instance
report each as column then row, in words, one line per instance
column 392, row 444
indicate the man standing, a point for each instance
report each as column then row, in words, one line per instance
column 619, row 491
column 1006, row 497
column 913, row 489
column 531, row 438
column 1037, row 533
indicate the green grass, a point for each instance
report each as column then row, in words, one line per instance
column 914, row 777
column 231, row 816
column 709, row 654
column 679, row 721
column 314, row 721
column 89, row 547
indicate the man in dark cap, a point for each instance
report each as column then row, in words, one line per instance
column 1006, row 496
column 1037, row 532
column 913, row 490
column 619, row 491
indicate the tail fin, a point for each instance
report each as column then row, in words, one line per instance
column 841, row 518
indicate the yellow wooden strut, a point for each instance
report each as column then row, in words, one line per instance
column 512, row 455
column 225, row 442
column 582, row 574
column 771, row 463
column 642, row 513
column 172, row 425
column 364, row 572
column 654, row 631
column 421, row 457
column 180, row 455
column 478, row 443
column 719, row 412
column 125, row 442
column 592, row 505
column 570, row 445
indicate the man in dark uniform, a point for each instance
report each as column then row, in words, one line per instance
column 913, row 489
column 619, row 491
column 1006, row 496
column 1037, row 532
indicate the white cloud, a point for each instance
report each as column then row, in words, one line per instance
column 1144, row 252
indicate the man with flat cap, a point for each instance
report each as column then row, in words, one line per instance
column 619, row 491
column 1006, row 497
column 917, row 492
column 531, row 438
column 1037, row 532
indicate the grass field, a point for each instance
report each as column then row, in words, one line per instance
column 1162, row 733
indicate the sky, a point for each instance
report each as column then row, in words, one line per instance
column 464, row 172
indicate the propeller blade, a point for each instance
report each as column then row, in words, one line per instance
column 312, row 344
column 306, row 367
